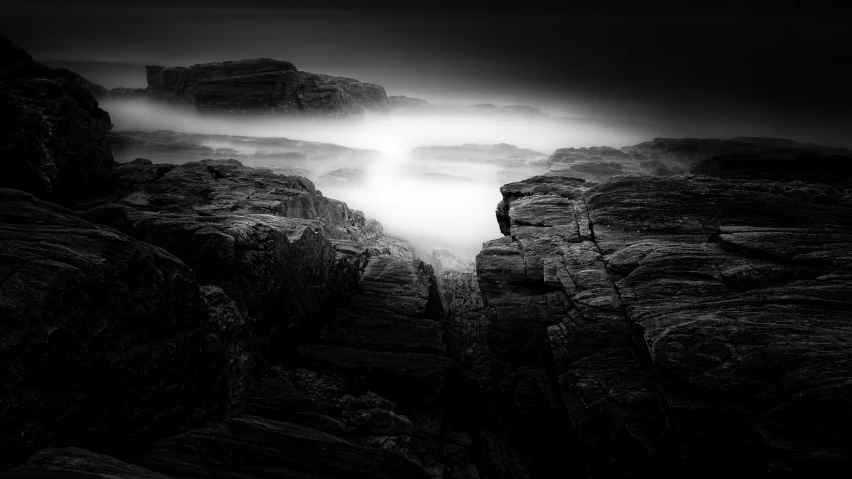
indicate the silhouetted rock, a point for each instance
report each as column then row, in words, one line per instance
column 263, row 86
column 52, row 133
column 691, row 323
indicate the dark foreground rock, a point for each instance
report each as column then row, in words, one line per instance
column 261, row 271
column 103, row 334
column 52, row 132
column 683, row 325
column 263, row 86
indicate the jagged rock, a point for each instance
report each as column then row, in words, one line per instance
column 76, row 462
column 692, row 322
column 262, row 86
column 103, row 334
column 52, row 133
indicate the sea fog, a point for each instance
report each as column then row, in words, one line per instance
column 430, row 175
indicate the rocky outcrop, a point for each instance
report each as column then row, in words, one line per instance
column 275, row 274
column 318, row 161
column 736, row 158
column 52, row 132
column 263, row 86
column 683, row 325
column 103, row 338
column 76, row 462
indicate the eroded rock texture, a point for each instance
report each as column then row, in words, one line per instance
column 736, row 158
column 681, row 325
column 263, row 86
column 271, row 274
column 103, row 336
column 52, row 132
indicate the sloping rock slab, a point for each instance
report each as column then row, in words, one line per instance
column 102, row 339
column 253, row 447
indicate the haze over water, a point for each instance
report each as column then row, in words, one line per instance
column 615, row 77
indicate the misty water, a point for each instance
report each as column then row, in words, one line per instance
column 431, row 176
column 434, row 197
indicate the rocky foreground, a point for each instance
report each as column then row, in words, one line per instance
column 213, row 320
column 680, row 325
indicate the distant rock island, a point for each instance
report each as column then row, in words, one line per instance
column 263, row 86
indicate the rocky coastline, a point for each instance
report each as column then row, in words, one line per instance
column 207, row 319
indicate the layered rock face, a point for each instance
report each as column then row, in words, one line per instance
column 263, row 86
column 306, row 329
column 681, row 325
column 52, row 133
column 102, row 334
column 741, row 157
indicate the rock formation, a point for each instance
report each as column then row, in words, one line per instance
column 52, row 135
column 319, row 161
column 681, row 325
column 741, row 157
column 182, row 318
column 262, row 86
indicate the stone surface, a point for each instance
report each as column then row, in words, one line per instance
column 736, row 158
column 250, row 446
column 692, row 323
column 78, row 463
column 102, row 334
column 52, row 132
column 262, row 86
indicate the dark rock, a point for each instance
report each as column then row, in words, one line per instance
column 78, row 463
column 736, row 158
column 693, row 323
column 52, row 133
column 263, row 86
column 103, row 338
column 122, row 92
column 249, row 446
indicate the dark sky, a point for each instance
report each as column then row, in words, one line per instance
column 788, row 64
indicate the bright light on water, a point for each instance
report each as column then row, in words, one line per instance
column 430, row 200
